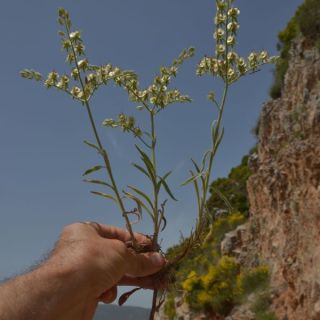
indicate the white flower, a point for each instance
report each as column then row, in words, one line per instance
column 263, row 55
column 233, row 26
column 218, row 34
column 241, row 62
column 83, row 64
column 231, row 40
column 220, row 18
column 232, row 56
column 75, row 35
column 231, row 73
column 75, row 91
column 221, row 49
column 233, row 12
column 252, row 57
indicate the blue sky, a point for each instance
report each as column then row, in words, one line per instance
column 42, row 155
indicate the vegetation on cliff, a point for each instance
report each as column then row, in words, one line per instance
column 304, row 23
column 213, row 282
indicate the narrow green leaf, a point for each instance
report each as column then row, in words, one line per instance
column 196, row 187
column 196, row 166
column 214, row 131
column 166, row 175
column 223, row 198
column 142, row 194
column 93, row 169
column 166, row 187
column 91, row 145
column 164, row 223
column 191, row 179
column 148, row 163
column 142, row 170
column 98, row 182
column 104, row 195
column 204, row 159
column 138, row 201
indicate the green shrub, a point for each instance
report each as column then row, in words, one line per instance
column 169, row 307
column 253, row 280
column 266, row 316
column 306, row 22
column 285, row 37
column 221, row 226
column 233, row 188
column 261, row 308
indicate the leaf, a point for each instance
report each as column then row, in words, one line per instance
column 92, row 145
column 196, row 187
column 148, row 163
column 126, row 296
column 214, row 130
column 142, row 194
column 99, row 182
column 191, row 179
column 164, row 223
column 93, row 169
column 204, row 159
column 138, row 201
column 104, row 195
column 141, row 169
column 196, row 166
column 166, row 187
column 220, row 137
column 223, row 198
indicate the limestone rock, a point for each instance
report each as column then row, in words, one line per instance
column 284, row 191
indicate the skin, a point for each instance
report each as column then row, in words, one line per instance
column 88, row 262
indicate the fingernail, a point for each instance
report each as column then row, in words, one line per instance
column 157, row 259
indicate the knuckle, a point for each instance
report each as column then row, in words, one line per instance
column 70, row 228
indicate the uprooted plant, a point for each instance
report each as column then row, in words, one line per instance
column 86, row 78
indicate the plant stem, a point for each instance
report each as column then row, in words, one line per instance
column 103, row 152
column 212, row 155
column 154, row 304
column 155, row 213
column 155, row 191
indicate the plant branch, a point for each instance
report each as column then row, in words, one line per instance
column 103, row 152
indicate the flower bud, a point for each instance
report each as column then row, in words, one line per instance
column 221, row 49
column 233, row 12
column 232, row 56
column 218, row 34
column 220, row 18
column 83, row 64
column 233, row 26
column 231, row 41
column 75, row 35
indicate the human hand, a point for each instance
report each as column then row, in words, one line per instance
column 98, row 257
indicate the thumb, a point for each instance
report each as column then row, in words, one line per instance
column 141, row 265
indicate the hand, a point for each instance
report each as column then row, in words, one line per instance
column 87, row 263
column 98, row 254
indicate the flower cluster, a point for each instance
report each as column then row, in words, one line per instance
column 158, row 94
column 126, row 123
column 31, row 75
column 226, row 63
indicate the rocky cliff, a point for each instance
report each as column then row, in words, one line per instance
column 284, row 190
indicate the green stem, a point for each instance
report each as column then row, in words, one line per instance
column 214, row 146
column 103, row 152
column 212, row 155
column 155, row 191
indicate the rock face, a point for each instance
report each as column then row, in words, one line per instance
column 284, row 191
